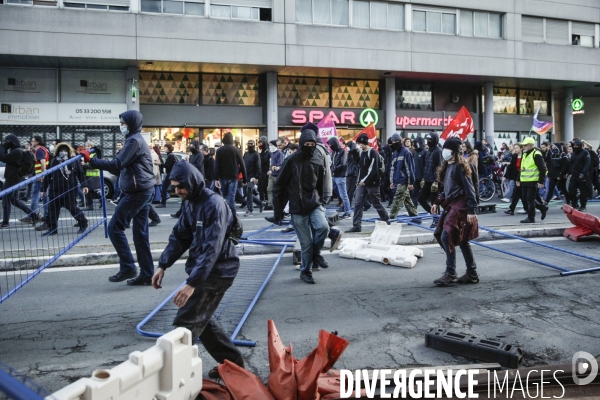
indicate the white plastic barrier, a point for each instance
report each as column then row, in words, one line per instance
column 381, row 247
column 169, row 370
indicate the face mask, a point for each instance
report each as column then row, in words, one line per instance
column 308, row 152
column 554, row 151
column 396, row 146
column 124, row 129
column 447, row 154
column 63, row 154
column 260, row 146
column 430, row 143
column 273, row 149
column 250, row 148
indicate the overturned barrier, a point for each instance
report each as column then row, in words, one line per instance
column 585, row 224
column 169, row 370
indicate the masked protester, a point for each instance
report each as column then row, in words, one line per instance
column 253, row 170
column 197, row 158
column 61, row 189
column 433, row 160
column 419, row 160
column 352, row 169
column 265, row 163
column 458, row 223
column 579, row 166
column 339, row 166
column 229, row 164
column 402, row 178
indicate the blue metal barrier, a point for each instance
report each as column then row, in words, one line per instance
column 18, row 387
column 28, row 249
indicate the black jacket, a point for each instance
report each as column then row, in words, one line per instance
column 12, row 155
column 265, row 156
column 512, row 173
column 557, row 165
column 197, row 159
column 339, row 158
column 203, row 228
column 170, row 163
column 456, row 184
column 134, row 161
column 369, row 168
column 252, row 163
column 209, row 168
column 419, row 158
column 300, row 181
column 353, row 160
column 580, row 163
column 64, row 180
column 229, row 163
column 433, row 158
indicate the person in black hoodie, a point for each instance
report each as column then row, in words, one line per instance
column 228, row 165
column 253, row 171
column 339, row 167
column 265, row 164
column 388, row 154
column 12, row 155
column 352, row 169
column 135, row 167
column 197, row 158
column 579, row 167
column 556, row 163
column 204, row 229
column 419, row 159
column 168, row 166
column 300, row 182
column 61, row 189
column 433, row 159
column 209, row 167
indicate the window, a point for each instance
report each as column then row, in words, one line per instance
column 505, row 100
column 532, row 29
column 377, row 15
column 43, row 3
column 555, row 31
column 322, row 12
column 97, row 7
column 173, row 7
column 480, row 24
column 583, row 34
column 414, row 96
column 433, row 21
column 532, row 100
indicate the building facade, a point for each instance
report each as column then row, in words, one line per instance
column 197, row 69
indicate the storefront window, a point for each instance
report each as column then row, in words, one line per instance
column 414, row 97
column 302, row 92
column 213, row 136
column 169, row 88
column 233, row 90
column 532, row 100
column 179, row 137
column 505, row 100
column 353, row 93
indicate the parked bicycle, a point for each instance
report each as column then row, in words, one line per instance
column 492, row 181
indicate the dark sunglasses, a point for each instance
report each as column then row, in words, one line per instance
column 180, row 186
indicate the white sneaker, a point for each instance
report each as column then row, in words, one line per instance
column 314, row 268
column 521, row 211
column 505, row 200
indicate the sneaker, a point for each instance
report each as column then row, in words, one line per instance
column 434, row 223
column 113, row 202
column 544, row 211
column 504, row 199
column 416, row 220
column 154, row 223
column 139, row 281
column 50, row 233
column 160, row 206
column 307, row 277
column 273, row 220
column 27, row 220
column 468, row 278
column 320, row 261
column 344, row 215
column 528, row 221
column 582, row 209
column 121, row 276
column 268, row 207
column 4, row 226
column 354, row 229
column 244, row 204
column 509, row 212
column 82, row 230
column 522, row 211
column 248, row 214
column 336, row 237
column 214, row 373
column 287, row 230
column 558, row 198
column 174, row 216
column 445, row 280
column 42, row 227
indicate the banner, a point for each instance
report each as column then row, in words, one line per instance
column 371, row 132
column 327, row 130
column 540, row 127
column 461, row 126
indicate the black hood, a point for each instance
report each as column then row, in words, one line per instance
column 351, row 145
column 228, row 138
column 189, row 177
column 434, row 138
column 11, row 142
column 265, row 142
column 308, row 135
column 419, row 144
column 334, row 143
column 194, row 146
column 133, row 119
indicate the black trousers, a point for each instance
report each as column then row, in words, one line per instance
column 574, row 184
column 414, row 194
column 351, row 182
column 427, row 197
column 67, row 201
column 197, row 316
column 531, row 196
column 561, row 188
column 13, row 199
column 372, row 192
column 263, row 183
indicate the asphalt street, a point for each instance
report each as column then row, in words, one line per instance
column 69, row 321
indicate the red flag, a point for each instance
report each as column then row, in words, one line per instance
column 460, row 127
column 372, row 134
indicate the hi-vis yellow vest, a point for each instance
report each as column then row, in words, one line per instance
column 529, row 171
column 92, row 172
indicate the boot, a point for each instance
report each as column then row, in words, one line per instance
column 469, row 277
column 214, row 373
column 445, row 280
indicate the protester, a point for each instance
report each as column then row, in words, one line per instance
column 352, row 170
column 339, row 167
column 265, row 164
column 557, row 166
column 368, row 185
column 92, row 176
column 60, row 187
column 429, row 189
column 168, row 165
column 277, row 158
column 228, row 165
column 209, row 167
column 488, row 147
column 470, row 154
column 13, row 156
column 42, row 161
column 212, row 265
column 300, row 182
column 408, row 144
column 117, row 191
column 579, row 167
column 252, row 163
column 532, row 178
column 402, row 178
column 386, row 193
column 419, row 159
column 513, row 173
column 458, row 223
column 197, row 158
column 134, row 164
column 27, row 196
column 156, row 166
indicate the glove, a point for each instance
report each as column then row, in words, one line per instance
column 98, row 152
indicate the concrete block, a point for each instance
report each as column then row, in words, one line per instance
column 170, row 370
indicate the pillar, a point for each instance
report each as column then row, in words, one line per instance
column 390, row 109
column 568, row 116
column 132, row 76
column 272, row 119
column 489, row 112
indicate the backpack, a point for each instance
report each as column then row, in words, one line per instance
column 27, row 166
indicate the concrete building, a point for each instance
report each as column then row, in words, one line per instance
column 199, row 68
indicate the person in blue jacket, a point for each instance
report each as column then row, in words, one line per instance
column 134, row 167
column 204, row 229
column 402, row 177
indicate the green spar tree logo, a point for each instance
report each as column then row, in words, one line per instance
column 577, row 104
column 367, row 116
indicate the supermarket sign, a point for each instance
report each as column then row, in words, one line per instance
column 301, row 116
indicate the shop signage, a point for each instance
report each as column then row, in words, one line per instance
column 367, row 116
column 27, row 85
column 300, row 116
column 83, row 86
column 577, row 105
column 27, row 113
column 422, row 121
column 90, row 113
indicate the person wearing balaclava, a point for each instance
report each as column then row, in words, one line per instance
column 300, row 182
column 277, row 158
column 229, row 163
column 402, row 179
column 579, row 166
column 61, row 189
column 433, row 159
column 352, row 170
column 253, row 170
column 339, row 166
column 265, row 163
column 197, row 158
column 419, row 159
column 136, row 180
column 12, row 155
column 458, row 223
